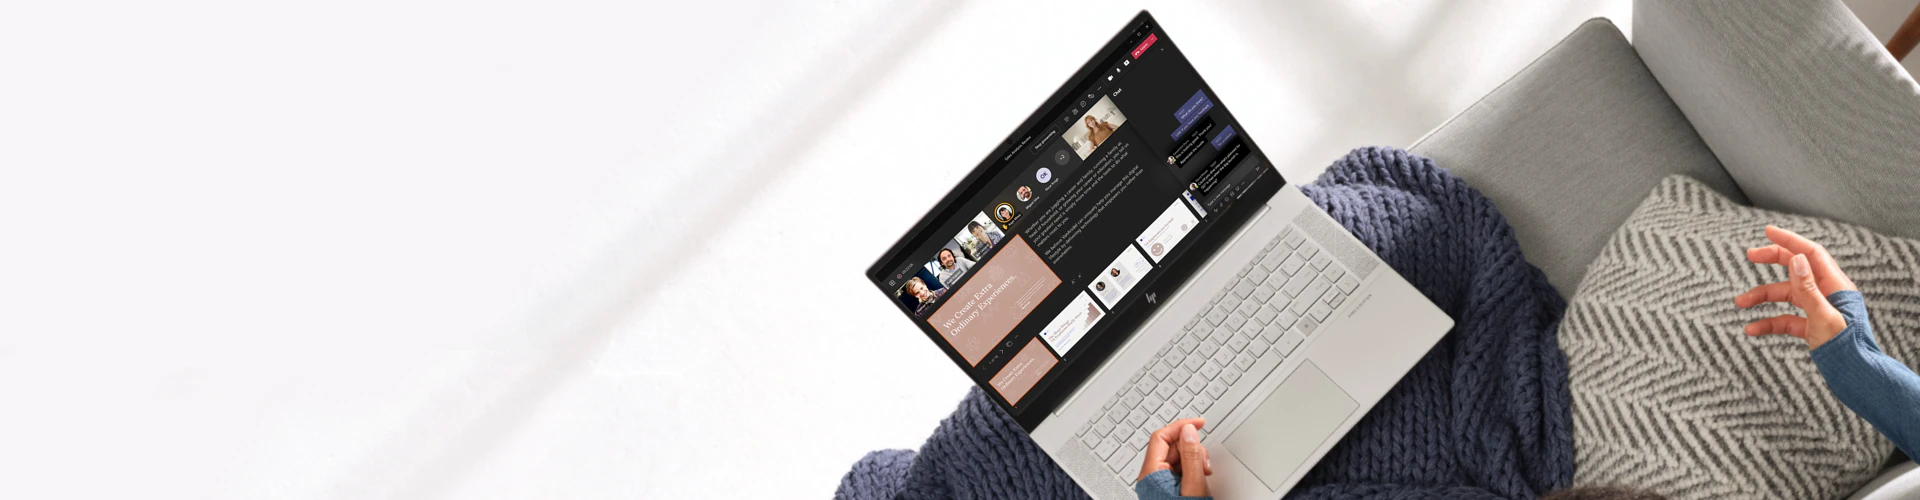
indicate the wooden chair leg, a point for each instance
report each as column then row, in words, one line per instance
column 1906, row 37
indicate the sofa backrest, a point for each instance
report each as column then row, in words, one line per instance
column 1803, row 107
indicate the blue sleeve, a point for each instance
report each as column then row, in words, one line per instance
column 1160, row 485
column 1877, row 387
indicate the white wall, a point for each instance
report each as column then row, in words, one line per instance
column 482, row 250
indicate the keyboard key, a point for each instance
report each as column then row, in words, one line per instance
column 1275, row 241
column 1266, row 315
column 1293, row 239
column 1288, row 342
column 1210, row 370
column 1201, row 403
column 1136, row 419
column 1247, row 309
column 1292, row 265
column 1222, row 333
column 1239, row 343
column 1243, row 289
column 1315, row 290
column 1180, row 375
column 1217, row 388
column 1196, row 320
column 1296, row 285
column 1276, row 280
column 1223, row 356
column 1263, row 293
column 1084, row 428
column 1165, row 389
column 1158, row 372
column 1106, row 448
column 1092, row 439
column 1307, row 326
column 1195, row 384
column 1181, row 398
column 1321, row 261
column 1216, row 315
column 1186, row 345
column 1245, row 268
column 1133, row 398
column 1243, row 362
column 1193, row 362
column 1309, row 251
column 1286, row 319
column 1272, row 260
column 1347, row 284
column 1207, row 348
column 1335, row 273
column 1258, row 346
column 1230, row 374
column 1165, row 413
column 1118, row 413
column 1300, row 304
column 1120, row 462
column 1319, row 312
column 1272, row 333
column 1257, row 275
column 1236, row 319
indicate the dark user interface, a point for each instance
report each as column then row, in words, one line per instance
column 1057, row 247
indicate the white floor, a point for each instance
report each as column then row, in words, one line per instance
column 567, row 249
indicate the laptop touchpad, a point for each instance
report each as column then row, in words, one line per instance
column 1292, row 422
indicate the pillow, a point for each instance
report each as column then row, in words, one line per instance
column 1671, row 396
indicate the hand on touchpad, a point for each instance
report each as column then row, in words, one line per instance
column 1293, row 421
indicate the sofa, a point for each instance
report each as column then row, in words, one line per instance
column 1788, row 105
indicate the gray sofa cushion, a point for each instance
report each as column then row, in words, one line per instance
column 1570, row 145
column 1799, row 102
column 1671, row 396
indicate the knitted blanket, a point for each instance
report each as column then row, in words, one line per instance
column 1483, row 415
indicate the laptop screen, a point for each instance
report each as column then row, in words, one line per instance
column 1067, row 237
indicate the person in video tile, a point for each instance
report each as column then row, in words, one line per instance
column 983, row 238
column 1097, row 131
column 949, row 267
column 917, row 296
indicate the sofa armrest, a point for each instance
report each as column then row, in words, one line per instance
column 1897, row 482
column 1798, row 101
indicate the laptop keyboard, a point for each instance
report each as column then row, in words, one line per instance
column 1282, row 297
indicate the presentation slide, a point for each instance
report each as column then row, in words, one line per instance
column 1026, row 369
column 1073, row 322
column 1118, row 277
column 1001, row 293
column 1167, row 231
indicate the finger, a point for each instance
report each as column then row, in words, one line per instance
column 1170, row 434
column 1786, row 324
column 1193, row 463
column 1771, row 292
column 1770, row 254
column 1806, row 291
column 1797, row 244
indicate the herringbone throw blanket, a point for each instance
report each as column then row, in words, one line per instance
column 1668, row 393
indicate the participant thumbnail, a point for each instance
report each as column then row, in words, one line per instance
column 920, row 292
column 1072, row 323
column 949, row 264
column 979, row 236
column 1003, row 213
column 1113, row 283
column 1094, row 128
column 1024, row 194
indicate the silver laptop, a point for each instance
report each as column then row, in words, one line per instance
column 1128, row 257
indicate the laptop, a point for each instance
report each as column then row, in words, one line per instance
column 1129, row 257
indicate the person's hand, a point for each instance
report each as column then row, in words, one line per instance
column 1178, row 445
column 1812, row 276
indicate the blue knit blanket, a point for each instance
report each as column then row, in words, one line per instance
column 1483, row 415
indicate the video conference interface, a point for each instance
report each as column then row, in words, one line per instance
column 1075, row 218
